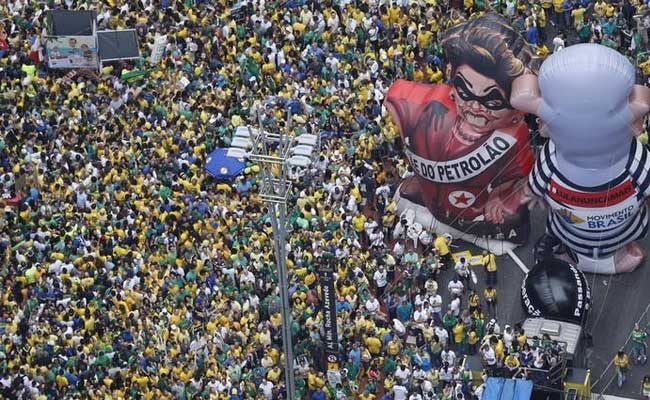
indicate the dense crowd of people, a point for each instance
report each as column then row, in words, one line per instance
column 127, row 272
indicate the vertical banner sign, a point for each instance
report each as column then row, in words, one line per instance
column 329, row 313
column 158, row 49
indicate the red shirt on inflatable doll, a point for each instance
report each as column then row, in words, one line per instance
column 468, row 148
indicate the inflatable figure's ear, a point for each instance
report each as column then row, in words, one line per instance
column 525, row 94
column 639, row 101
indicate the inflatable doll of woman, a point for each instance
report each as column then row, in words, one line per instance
column 593, row 174
column 468, row 147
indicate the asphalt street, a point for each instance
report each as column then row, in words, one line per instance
column 618, row 301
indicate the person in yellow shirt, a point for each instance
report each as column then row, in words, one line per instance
column 558, row 13
column 468, row 5
column 489, row 261
column 578, row 15
column 423, row 38
column 374, row 345
column 547, row 5
column 394, row 346
column 458, row 332
column 490, row 295
column 366, row 395
column 499, row 349
column 512, row 363
column 441, row 245
column 600, row 8
column 522, row 339
column 418, row 75
column 622, row 364
column 358, row 223
column 473, row 301
column 645, row 67
column 541, row 51
column 472, row 341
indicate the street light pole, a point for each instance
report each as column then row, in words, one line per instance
column 275, row 191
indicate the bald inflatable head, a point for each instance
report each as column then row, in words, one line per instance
column 587, row 99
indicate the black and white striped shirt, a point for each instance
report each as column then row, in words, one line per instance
column 595, row 221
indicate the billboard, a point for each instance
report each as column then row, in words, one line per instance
column 71, row 52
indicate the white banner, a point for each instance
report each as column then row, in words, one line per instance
column 465, row 167
column 158, row 49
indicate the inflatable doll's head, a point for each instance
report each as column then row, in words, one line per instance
column 586, row 98
column 485, row 55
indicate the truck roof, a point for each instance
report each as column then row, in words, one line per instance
column 566, row 333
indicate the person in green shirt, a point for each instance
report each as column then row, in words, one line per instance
column 449, row 320
column 390, row 366
column 609, row 42
column 638, row 342
column 584, row 33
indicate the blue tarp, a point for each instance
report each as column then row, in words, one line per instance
column 222, row 167
column 508, row 389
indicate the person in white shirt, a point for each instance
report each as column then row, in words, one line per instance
column 455, row 286
column 436, row 307
column 415, row 396
column 442, row 334
column 508, row 337
column 454, row 306
column 462, row 270
column 403, row 374
column 431, row 286
column 420, row 316
column 420, row 298
column 384, row 191
column 408, row 173
column 376, row 238
column 448, row 356
column 510, row 8
column 399, row 231
column 418, row 373
column 370, row 226
column 372, row 305
column 558, row 42
column 478, row 392
column 398, row 249
column 425, row 238
column 399, row 392
column 494, row 325
column 380, row 278
column 266, row 387
column 445, row 373
column 352, row 206
column 427, row 389
column 489, row 356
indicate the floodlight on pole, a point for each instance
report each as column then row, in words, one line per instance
column 275, row 191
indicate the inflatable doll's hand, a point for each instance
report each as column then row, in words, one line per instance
column 504, row 200
column 531, row 200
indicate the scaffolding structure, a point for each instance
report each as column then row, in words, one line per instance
column 271, row 152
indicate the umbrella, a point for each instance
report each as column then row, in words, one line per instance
column 223, row 167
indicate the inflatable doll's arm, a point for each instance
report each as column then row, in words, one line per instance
column 639, row 106
column 504, row 200
column 531, row 200
column 525, row 95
